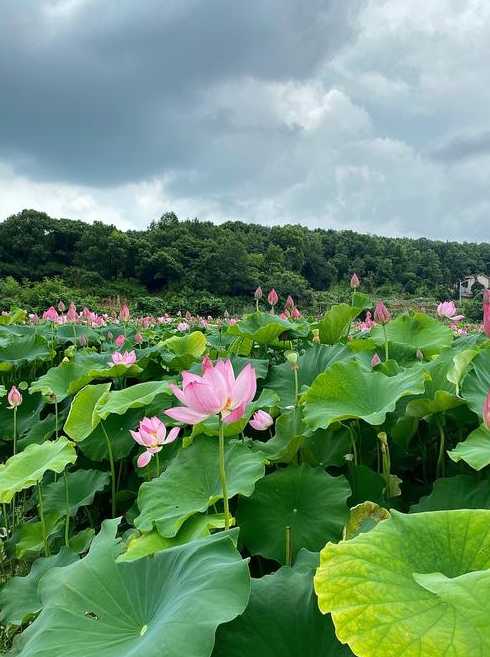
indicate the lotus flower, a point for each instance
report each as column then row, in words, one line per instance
column 138, row 338
column 183, row 327
column 14, row 397
column 124, row 313
column 258, row 294
column 486, row 411
column 448, row 309
column 354, row 281
column 272, row 297
column 381, row 313
column 120, row 340
column 215, row 392
column 295, row 313
column 127, row 358
column 51, row 314
column 375, row 361
column 289, row 302
column 486, row 312
column 72, row 314
column 152, row 434
column 261, row 421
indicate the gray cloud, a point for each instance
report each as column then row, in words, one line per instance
column 463, row 147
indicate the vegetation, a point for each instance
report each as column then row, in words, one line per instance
column 206, row 268
column 267, row 487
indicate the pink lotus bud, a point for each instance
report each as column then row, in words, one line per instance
column 486, row 411
column 375, row 361
column 486, row 312
column 14, row 397
column 72, row 314
column 284, row 315
column 295, row 314
column 183, row 327
column 272, row 297
column 51, row 314
column 124, row 313
column 83, row 341
column 261, row 421
column 289, row 302
column 138, row 338
column 61, row 307
column 381, row 313
column 258, row 294
column 120, row 340
column 354, row 281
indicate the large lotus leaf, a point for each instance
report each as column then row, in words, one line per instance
column 83, row 418
column 28, row 467
column 19, row 597
column 21, row 350
column 282, row 620
column 288, row 438
column 476, row 384
column 461, row 362
column 196, row 527
column 336, row 322
column 315, row 360
column 169, row 604
column 193, row 344
column 459, row 492
column 350, row 390
column 73, row 332
column 475, row 450
column 264, row 328
column 29, row 537
column 363, row 518
column 312, row 503
column 137, row 396
column 191, row 484
column 327, row 447
column 367, row 485
column 415, row 331
column 82, row 487
column 70, row 376
column 416, row 585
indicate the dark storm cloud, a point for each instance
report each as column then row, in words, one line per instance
column 112, row 92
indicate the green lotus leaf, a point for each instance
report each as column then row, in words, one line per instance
column 476, row 383
column 350, row 390
column 82, row 488
column 28, row 416
column 19, row 597
column 28, row 467
column 363, row 518
column 196, row 527
column 266, row 329
column 21, row 350
column 170, row 604
column 367, row 485
column 312, row 503
column 461, row 362
column 475, row 450
column 440, row 393
column 29, row 537
column 282, row 620
column 260, row 365
column 443, row 401
column 73, row 332
column 191, row 484
column 71, row 376
column 459, row 492
column 415, row 331
column 193, row 344
column 288, row 438
column 83, row 417
column 315, row 360
column 327, row 447
column 416, row 585
column 137, row 396
column 336, row 322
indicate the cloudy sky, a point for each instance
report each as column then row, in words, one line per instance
column 365, row 114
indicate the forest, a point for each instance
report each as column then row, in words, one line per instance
column 205, row 267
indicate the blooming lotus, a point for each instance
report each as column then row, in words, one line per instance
column 72, row 314
column 216, row 392
column 183, row 327
column 261, row 421
column 448, row 309
column 152, row 434
column 127, row 358
column 51, row 314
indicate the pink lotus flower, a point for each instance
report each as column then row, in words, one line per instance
column 295, row 313
column 120, row 340
column 486, row 411
column 51, row 314
column 215, row 392
column 375, row 361
column 448, row 309
column 183, row 327
column 283, row 315
column 138, row 338
column 72, row 314
column 354, row 281
column 14, row 397
column 486, row 312
column 127, row 358
column 381, row 313
column 272, row 297
column 152, row 435
column 261, row 421
column 124, row 313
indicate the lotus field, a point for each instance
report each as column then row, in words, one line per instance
column 264, row 486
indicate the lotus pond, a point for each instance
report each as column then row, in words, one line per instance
column 268, row 486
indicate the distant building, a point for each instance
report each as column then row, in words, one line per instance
column 466, row 285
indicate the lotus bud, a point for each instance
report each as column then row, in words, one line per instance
column 124, row 313
column 109, row 335
column 83, row 341
column 272, row 298
column 258, row 294
column 486, row 411
column 120, row 340
column 226, row 314
column 61, row 307
column 354, row 281
column 289, row 303
column 292, row 358
column 375, row 361
column 381, row 313
column 419, row 355
column 138, row 338
column 261, row 421
column 14, row 397
column 316, row 335
column 295, row 313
